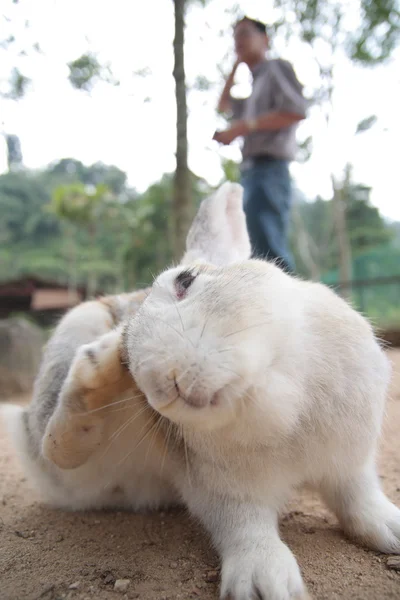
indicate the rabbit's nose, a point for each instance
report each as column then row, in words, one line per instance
column 191, row 396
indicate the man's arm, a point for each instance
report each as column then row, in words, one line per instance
column 273, row 120
column 289, row 107
column 269, row 121
column 224, row 103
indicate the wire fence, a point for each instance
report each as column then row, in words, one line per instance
column 378, row 298
column 375, row 285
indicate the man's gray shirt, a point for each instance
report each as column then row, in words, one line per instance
column 275, row 89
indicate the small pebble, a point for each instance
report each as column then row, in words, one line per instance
column 22, row 534
column 212, row 576
column 121, row 585
column 173, row 565
column 393, row 562
column 74, row 586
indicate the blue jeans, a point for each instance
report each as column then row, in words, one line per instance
column 267, row 201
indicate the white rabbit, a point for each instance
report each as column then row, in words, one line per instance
column 89, row 439
column 272, row 382
column 254, row 382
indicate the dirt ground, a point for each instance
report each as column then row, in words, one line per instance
column 52, row 555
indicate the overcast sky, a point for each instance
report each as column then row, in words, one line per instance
column 133, row 126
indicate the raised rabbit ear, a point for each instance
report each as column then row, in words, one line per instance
column 219, row 234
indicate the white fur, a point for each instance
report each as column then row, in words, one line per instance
column 280, row 383
column 271, row 382
column 108, row 479
column 218, row 233
column 126, row 468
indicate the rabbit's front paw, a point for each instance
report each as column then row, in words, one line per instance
column 96, row 380
column 98, row 363
column 265, row 573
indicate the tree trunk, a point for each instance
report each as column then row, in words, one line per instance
column 72, row 268
column 92, row 276
column 181, row 195
column 339, row 207
column 304, row 244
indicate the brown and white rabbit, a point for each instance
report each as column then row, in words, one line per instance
column 89, row 439
column 77, row 438
column 255, row 382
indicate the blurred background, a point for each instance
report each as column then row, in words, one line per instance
column 106, row 143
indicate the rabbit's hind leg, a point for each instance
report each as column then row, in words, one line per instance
column 363, row 510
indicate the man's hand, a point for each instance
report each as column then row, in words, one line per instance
column 226, row 137
column 224, row 101
column 270, row 121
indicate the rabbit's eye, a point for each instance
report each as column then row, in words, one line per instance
column 183, row 282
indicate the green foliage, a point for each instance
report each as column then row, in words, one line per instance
column 317, row 218
column 379, row 301
column 80, row 204
column 230, row 169
column 366, row 124
column 151, row 248
column 365, row 225
column 375, row 249
column 13, row 41
column 83, row 72
column 14, row 152
column 372, row 42
column 81, row 224
column 86, row 71
column 202, row 84
column 61, row 242
column 305, row 149
column 72, row 170
column 379, row 32
column 366, row 228
column 18, row 84
column 112, row 242
column 22, row 197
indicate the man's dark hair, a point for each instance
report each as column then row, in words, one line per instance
column 262, row 28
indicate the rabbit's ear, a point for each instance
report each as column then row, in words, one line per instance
column 219, row 234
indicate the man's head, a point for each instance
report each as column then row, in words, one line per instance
column 251, row 40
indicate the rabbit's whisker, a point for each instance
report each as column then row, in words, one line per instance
column 89, row 412
column 247, row 328
column 141, row 439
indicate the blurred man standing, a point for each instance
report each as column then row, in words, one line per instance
column 267, row 121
